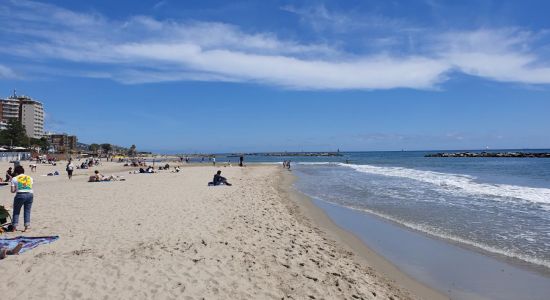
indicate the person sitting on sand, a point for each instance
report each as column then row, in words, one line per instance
column 9, row 174
column 96, row 177
column 5, row 252
column 219, row 179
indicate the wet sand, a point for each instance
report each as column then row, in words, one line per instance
column 457, row 271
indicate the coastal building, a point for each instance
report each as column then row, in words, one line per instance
column 25, row 109
column 9, row 109
column 62, row 142
column 32, row 117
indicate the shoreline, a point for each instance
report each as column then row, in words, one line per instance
column 170, row 236
column 427, row 260
column 363, row 254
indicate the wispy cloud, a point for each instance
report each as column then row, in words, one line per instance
column 501, row 55
column 160, row 4
column 320, row 18
column 7, row 73
column 142, row 49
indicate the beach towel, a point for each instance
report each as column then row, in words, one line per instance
column 29, row 242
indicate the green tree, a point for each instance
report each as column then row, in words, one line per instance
column 42, row 143
column 106, row 148
column 94, row 148
column 14, row 134
column 45, row 144
column 132, row 151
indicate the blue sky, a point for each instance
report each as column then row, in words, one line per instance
column 220, row 76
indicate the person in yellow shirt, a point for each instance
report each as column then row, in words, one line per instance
column 21, row 185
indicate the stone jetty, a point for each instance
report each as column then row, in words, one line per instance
column 491, row 154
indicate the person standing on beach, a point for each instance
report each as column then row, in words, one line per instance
column 70, row 169
column 21, row 185
column 213, row 161
column 241, row 159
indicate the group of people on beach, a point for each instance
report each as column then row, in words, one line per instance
column 21, row 185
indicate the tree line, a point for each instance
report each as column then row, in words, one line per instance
column 15, row 135
column 108, row 148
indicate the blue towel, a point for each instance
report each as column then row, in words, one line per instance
column 29, row 242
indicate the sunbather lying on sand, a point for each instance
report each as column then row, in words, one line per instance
column 4, row 252
column 97, row 177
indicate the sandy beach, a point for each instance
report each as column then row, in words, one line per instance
column 170, row 236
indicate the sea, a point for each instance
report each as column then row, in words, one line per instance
column 497, row 205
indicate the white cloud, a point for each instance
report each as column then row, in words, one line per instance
column 502, row 55
column 7, row 73
column 159, row 4
column 142, row 49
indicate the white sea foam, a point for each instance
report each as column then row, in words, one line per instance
column 462, row 183
column 441, row 234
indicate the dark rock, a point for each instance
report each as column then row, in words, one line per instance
column 491, row 154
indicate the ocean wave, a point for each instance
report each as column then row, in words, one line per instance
column 460, row 182
column 446, row 236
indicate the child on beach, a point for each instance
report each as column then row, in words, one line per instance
column 21, row 185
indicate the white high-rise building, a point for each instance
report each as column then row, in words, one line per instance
column 28, row 111
column 9, row 109
column 32, row 117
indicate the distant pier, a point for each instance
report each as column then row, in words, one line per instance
column 492, row 154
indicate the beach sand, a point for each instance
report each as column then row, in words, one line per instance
column 170, row 236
